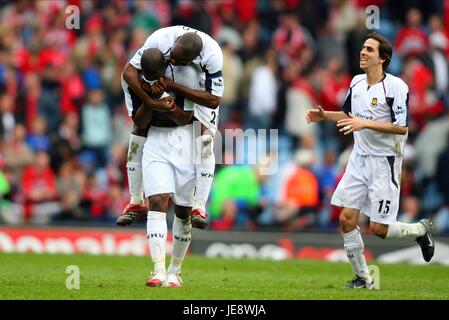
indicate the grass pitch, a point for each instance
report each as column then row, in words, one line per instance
column 31, row 276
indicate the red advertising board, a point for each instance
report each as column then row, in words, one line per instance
column 73, row 240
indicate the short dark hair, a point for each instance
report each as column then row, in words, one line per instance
column 153, row 63
column 385, row 48
column 190, row 44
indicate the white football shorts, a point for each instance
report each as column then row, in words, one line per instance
column 167, row 164
column 371, row 185
column 208, row 117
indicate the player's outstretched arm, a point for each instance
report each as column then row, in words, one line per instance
column 318, row 114
column 200, row 97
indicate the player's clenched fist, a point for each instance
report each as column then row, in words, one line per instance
column 168, row 104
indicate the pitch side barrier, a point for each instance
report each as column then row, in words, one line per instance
column 229, row 244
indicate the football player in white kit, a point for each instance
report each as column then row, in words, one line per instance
column 375, row 111
column 181, row 46
column 168, row 168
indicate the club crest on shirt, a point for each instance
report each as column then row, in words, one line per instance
column 374, row 102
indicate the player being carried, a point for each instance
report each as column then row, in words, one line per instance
column 375, row 111
column 181, row 46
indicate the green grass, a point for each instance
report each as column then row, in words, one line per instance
column 31, row 276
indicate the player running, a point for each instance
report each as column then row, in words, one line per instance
column 375, row 111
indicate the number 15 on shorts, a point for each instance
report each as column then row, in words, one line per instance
column 384, row 206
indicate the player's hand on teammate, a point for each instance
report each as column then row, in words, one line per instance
column 157, row 90
column 146, row 86
column 316, row 114
column 351, row 124
column 165, row 104
column 170, row 104
column 166, row 83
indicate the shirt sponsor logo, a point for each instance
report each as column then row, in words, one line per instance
column 363, row 116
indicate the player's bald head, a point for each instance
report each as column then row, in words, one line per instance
column 153, row 64
column 187, row 47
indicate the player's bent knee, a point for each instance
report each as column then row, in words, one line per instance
column 183, row 212
column 140, row 132
column 379, row 229
column 205, row 143
column 348, row 222
column 159, row 202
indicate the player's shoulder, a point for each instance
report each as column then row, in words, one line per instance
column 212, row 48
column 161, row 38
column 211, row 55
column 210, row 45
column 161, row 32
column 395, row 83
column 357, row 79
column 214, row 44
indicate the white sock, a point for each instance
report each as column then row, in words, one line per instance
column 400, row 230
column 354, row 247
column 182, row 235
column 134, row 168
column 204, row 167
column 157, row 238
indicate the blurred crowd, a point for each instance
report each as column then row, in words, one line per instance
column 64, row 128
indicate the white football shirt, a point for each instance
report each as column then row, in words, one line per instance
column 386, row 101
column 209, row 63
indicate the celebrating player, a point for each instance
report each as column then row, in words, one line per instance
column 375, row 111
column 181, row 46
column 168, row 169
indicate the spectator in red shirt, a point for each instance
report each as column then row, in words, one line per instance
column 422, row 97
column 335, row 85
column 291, row 40
column 94, row 199
column 39, row 190
column 73, row 89
column 412, row 40
column 28, row 58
